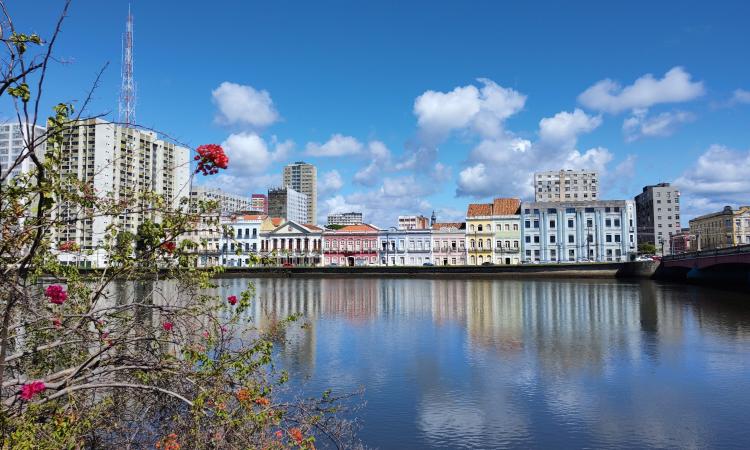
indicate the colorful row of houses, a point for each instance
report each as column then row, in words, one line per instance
column 504, row 232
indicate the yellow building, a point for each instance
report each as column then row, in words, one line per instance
column 726, row 228
column 493, row 232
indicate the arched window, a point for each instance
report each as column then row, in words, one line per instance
column 479, row 228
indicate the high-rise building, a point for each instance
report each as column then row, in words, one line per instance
column 303, row 178
column 413, row 223
column 566, row 185
column 287, row 203
column 12, row 144
column 228, row 203
column 259, row 203
column 658, row 216
column 120, row 162
column 602, row 230
column 348, row 218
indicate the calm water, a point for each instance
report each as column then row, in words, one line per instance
column 524, row 364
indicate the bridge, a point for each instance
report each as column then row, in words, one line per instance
column 731, row 264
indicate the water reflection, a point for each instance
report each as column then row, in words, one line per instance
column 477, row 363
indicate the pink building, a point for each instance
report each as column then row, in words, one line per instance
column 352, row 245
column 259, row 202
column 681, row 242
column 448, row 244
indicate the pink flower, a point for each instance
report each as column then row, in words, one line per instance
column 56, row 294
column 232, row 299
column 205, row 334
column 31, row 389
column 57, row 322
column 167, row 326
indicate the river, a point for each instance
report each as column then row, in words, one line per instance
column 523, row 363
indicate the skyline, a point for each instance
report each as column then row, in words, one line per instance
column 397, row 127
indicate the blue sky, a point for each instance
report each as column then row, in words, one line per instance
column 408, row 107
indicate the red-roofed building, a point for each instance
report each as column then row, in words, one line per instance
column 493, row 232
column 352, row 245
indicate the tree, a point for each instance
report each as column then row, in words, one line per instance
column 145, row 352
column 646, row 248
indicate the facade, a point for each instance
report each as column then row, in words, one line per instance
column 493, row 234
column 228, row 203
column 12, row 144
column 352, row 245
column 566, row 185
column 726, row 228
column 603, row 230
column 405, row 247
column 287, row 203
column 241, row 246
column 413, row 223
column 259, row 202
column 681, row 242
column 658, row 216
column 121, row 162
column 449, row 244
column 348, row 218
column 303, row 178
column 292, row 243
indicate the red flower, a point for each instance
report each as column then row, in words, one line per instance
column 232, row 299
column 169, row 246
column 210, row 159
column 262, row 401
column 31, row 389
column 167, row 326
column 57, row 322
column 296, row 434
column 56, row 294
column 68, row 246
column 279, row 434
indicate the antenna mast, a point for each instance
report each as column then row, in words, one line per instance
column 127, row 89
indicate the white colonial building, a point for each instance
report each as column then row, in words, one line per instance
column 240, row 246
column 602, row 230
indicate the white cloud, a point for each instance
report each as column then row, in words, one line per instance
column 249, row 153
column 482, row 109
column 337, row 145
column 243, row 105
column 504, row 166
column 719, row 177
column 740, row 96
column 380, row 161
column 243, row 184
column 641, row 125
column 330, row 182
column 608, row 96
column 564, row 127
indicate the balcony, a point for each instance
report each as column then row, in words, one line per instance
column 506, row 250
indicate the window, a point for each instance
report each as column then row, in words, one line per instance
column 515, row 226
column 571, row 223
column 589, row 223
column 609, row 238
column 536, row 224
column 571, row 239
column 507, row 227
column 472, row 227
column 528, row 239
column 617, row 238
column 552, row 224
column 608, row 222
column 479, row 227
column 552, row 239
column 617, row 222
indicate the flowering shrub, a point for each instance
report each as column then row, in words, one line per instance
column 28, row 391
column 68, row 246
column 232, row 299
column 210, row 159
column 56, row 294
column 169, row 247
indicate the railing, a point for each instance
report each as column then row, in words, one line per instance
column 507, row 250
column 737, row 249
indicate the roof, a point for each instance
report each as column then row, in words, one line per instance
column 449, row 225
column 249, row 217
column 499, row 207
column 312, row 227
column 479, row 209
column 276, row 221
column 505, row 206
column 359, row 228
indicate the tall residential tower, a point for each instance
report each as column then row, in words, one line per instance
column 303, row 178
column 658, row 212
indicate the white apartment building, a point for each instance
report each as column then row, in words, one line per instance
column 303, row 178
column 413, row 223
column 228, row 202
column 405, row 247
column 12, row 144
column 566, row 185
column 348, row 218
column 602, row 230
column 122, row 162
